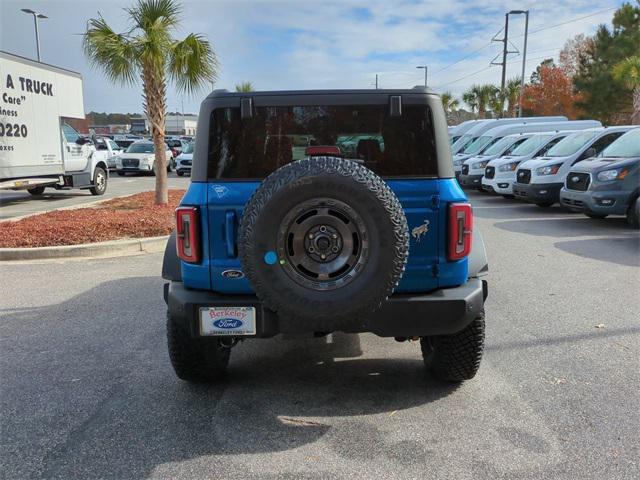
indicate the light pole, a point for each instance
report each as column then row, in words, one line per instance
column 426, row 69
column 36, row 16
column 524, row 53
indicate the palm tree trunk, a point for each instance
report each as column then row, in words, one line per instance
column 635, row 116
column 154, row 95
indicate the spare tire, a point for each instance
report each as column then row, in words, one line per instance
column 323, row 242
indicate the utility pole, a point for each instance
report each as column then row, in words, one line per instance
column 426, row 69
column 36, row 16
column 524, row 55
column 504, row 51
column 376, row 81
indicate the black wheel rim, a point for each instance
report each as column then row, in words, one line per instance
column 323, row 244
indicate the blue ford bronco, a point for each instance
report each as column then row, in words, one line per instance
column 311, row 212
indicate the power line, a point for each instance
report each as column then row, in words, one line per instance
column 521, row 35
column 462, row 59
column 568, row 21
column 485, row 69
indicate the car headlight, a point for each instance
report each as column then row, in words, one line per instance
column 457, row 162
column 476, row 166
column 549, row 169
column 615, row 174
column 508, row 167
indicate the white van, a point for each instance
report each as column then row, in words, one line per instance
column 456, row 131
column 539, row 180
column 496, row 145
column 467, row 144
column 500, row 173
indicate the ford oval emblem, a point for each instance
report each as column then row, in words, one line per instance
column 228, row 323
column 232, row 274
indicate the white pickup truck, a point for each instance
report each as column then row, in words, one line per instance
column 107, row 150
column 38, row 149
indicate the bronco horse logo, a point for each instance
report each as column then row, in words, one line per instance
column 419, row 231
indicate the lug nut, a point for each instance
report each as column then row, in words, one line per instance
column 323, row 256
column 323, row 229
column 311, row 235
column 334, row 236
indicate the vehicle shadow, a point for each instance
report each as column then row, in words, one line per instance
column 16, row 199
column 622, row 251
column 569, row 227
column 94, row 394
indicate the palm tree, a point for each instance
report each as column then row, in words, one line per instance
column 512, row 95
column 244, row 87
column 628, row 72
column 497, row 101
column 469, row 97
column 449, row 103
column 479, row 96
column 148, row 50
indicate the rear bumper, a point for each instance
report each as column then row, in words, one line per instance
column 537, row 192
column 441, row 312
column 470, row 181
column 597, row 202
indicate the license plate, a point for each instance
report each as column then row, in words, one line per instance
column 228, row 321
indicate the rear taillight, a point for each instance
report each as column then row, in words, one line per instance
column 460, row 230
column 188, row 234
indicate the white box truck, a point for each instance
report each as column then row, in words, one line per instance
column 37, row 148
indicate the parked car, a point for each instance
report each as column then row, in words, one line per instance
column 140, row 157
column 183, row 162
column 539, row 180
column 268, row 242
column 609, row 184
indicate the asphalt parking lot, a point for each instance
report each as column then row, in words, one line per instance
column 87, row 390
column 20, row 202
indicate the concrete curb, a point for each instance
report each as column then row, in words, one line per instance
column 112, row 248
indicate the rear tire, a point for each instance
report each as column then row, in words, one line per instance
column 36, row 191
column 99, row 182
column 195, row 360
column 456, row 357
column 633, row 214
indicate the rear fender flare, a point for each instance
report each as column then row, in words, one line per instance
column 171, row 269
column 478, row 263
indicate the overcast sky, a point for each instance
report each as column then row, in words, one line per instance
column 302, row 44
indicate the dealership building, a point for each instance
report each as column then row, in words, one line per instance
column 176, row 125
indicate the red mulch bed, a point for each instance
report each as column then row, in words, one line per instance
column 134, row 216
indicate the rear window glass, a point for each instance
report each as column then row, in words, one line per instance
column 274, row 136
